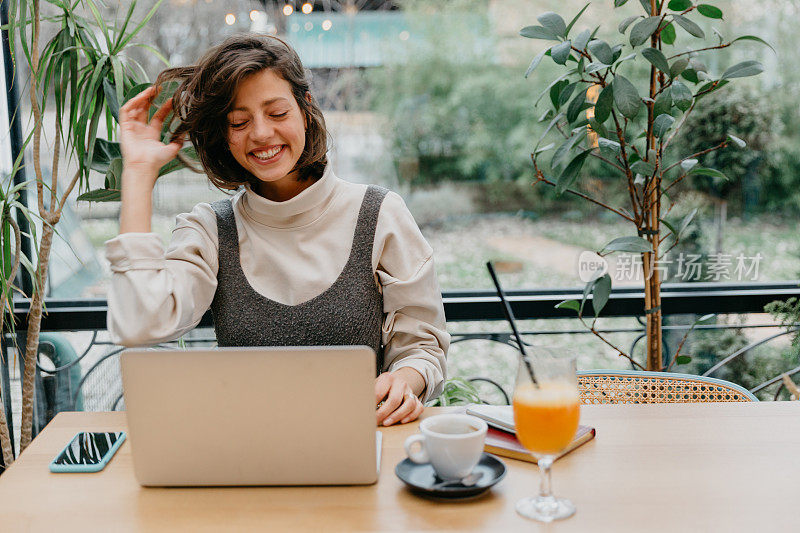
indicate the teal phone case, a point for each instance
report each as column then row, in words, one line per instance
column 87, row 468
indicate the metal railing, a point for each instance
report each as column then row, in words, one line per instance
column 89, row 315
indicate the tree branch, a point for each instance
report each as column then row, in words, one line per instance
column 608, row 162
column 680, row 125
column 634, row 195
column 608, row 343
column 718, row 47
column 680, row 347
column 723, row 144
column 67, row 191
column 540, row 177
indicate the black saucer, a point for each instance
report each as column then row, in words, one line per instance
column 421, row 478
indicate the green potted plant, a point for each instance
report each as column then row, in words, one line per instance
column 599, row 108
column 84, row 73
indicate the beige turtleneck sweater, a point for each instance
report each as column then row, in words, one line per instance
column 290, row 252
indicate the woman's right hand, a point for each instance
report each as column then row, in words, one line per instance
column 140, row 140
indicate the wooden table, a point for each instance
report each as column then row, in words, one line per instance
column 700, row 467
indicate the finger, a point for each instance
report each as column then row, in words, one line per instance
column 393, row 400
column 158, row 117
column 174, row 147
column 138, row 101
column 415, row 414
column 382, row 385
column 407, row 407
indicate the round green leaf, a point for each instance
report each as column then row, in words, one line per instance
column 634, row 245
column 623, row 26
column 594, row 67
column 608, row 144
column 668, row 34
column 553, row 22
column 602, row 51
column 560, row 52
column 569, row 304
column 580, row 41
column 702, row 171
column 605, row 101
column 538, row 32
column 753, row 38
column 626, row 98
column 565, row 95
column 576, row 106
column 570, row 173
column 644, row 168
column 643, row 29
column 689, row 26
column 683, row 359
column 663, row 103
column 678, row 66
column 555, row 92
column 600, row 293
column 657, row 59
column 709, row 11
column 743, row 69
column 681, row 96
column 679, row 5
column 662, row 124
column 737, row 141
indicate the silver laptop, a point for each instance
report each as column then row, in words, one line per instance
column 252, row 416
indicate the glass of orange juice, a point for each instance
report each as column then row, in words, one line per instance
column 546, row 414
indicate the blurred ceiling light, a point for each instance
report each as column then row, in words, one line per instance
column 404, row 35
column 230, row 19
column 326, row 24
column 309, row 26
column 307, row 8
column 288, row 9
column 254, row 14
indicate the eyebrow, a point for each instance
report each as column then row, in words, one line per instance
column 263, row 104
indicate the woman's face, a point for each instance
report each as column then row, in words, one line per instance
column 266, row 130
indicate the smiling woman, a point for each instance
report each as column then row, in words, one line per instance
column 297, row 257
column 266, row 134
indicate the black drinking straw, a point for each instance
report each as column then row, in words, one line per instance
column 510, row 317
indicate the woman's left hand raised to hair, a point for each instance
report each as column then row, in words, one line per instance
column 399, row 392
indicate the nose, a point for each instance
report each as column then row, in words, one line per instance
column 262, row 129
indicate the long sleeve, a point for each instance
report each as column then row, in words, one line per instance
column 157, row 295
column 414, row 329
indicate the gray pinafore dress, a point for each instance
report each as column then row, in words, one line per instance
column 349, row 312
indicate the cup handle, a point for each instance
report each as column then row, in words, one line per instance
column 420, row 456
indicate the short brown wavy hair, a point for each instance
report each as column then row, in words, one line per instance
column 205, row 96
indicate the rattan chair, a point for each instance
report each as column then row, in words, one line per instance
column 620, row 386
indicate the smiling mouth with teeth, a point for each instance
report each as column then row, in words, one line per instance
column 267, row 154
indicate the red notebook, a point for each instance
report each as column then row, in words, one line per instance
column 501, row 440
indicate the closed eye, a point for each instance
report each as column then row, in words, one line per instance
column 237, row 125
column 280, row 115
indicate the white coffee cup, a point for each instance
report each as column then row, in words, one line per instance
column 451, row 443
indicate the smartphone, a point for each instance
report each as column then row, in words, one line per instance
column 88, row 452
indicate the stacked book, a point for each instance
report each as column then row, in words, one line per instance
column 501, row 438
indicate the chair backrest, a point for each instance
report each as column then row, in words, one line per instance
column 630, row 386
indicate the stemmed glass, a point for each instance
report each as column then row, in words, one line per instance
column 546, row 414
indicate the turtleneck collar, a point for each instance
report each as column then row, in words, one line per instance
column 298, row 211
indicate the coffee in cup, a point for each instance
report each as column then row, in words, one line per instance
column 451, row 443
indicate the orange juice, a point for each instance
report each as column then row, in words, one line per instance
column 546, row 417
